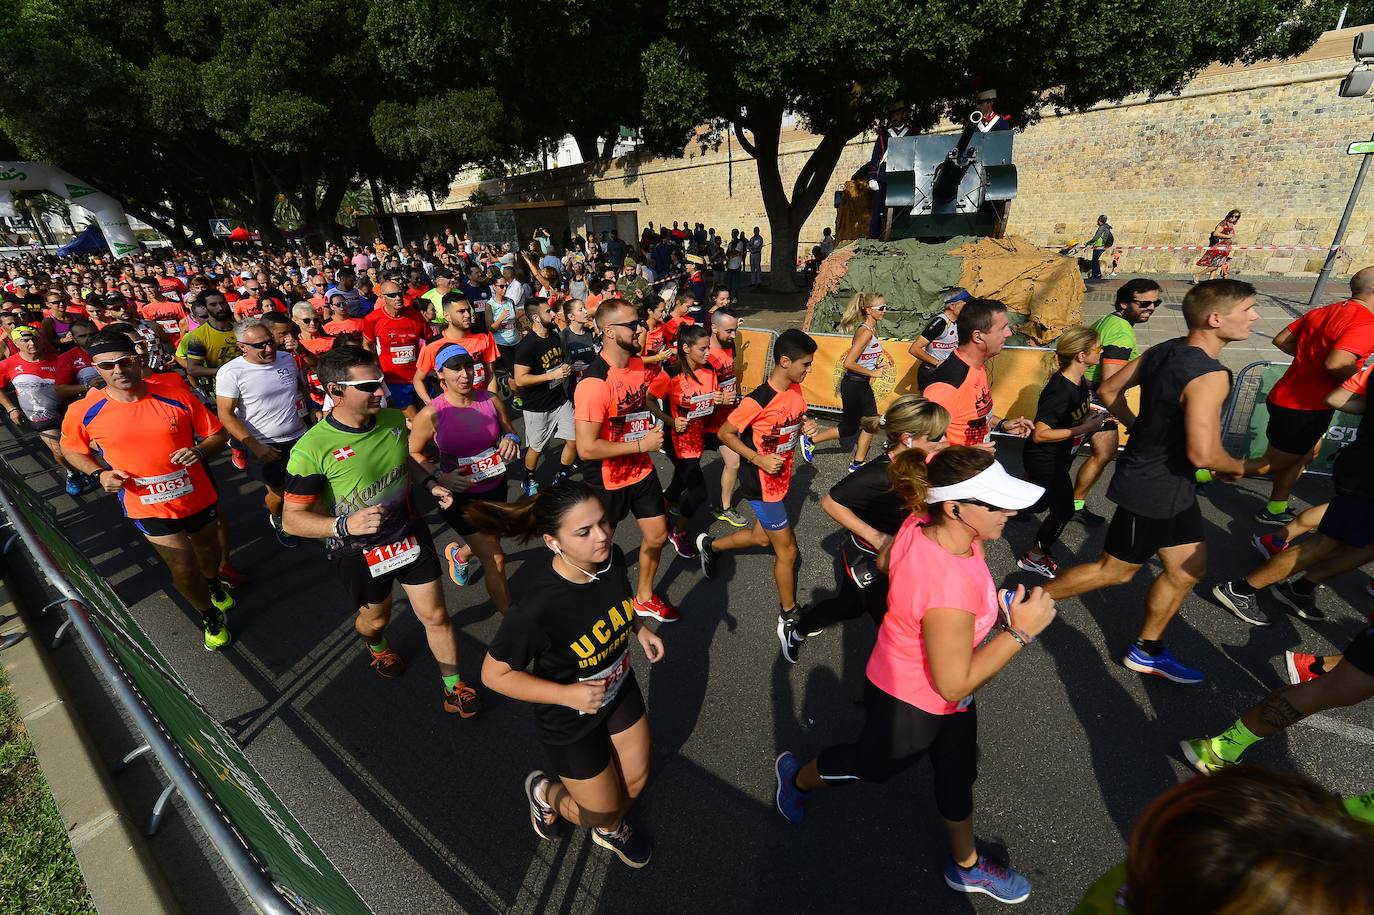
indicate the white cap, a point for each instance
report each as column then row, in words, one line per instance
column 20, row 281
column 246, row 274
column 987, row 95
column 993, row 486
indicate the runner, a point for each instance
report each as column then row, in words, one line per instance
column 1329, row 345
column 721, row 358
column 500, row 317
column 657, row 352
column 170, row 315
column 1345, row 532
column 43, row 381
column 1136, row 301
column 1064, row 417
column 691, row 396
column 1182, row 390
column 933, row 653
column 581, row 342
column 938, row 338
column 764, row 429
column 261, row 398
column 541, row 376
column 346, row 484
column 865, row 505
column 396, row 334
column 615, row 436
column 153, row 437
column 340, row 321
column 863, row 362
column 588, row 705
column 960, row 384
column 202, row 351
column 481, row 347
column 475, row 440
column 312, row 335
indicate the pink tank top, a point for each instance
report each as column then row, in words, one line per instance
column 467, row 438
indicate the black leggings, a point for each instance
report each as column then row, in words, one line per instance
column 857, row 401
column 1058, row 499
column 688, row 485
column 895, row 737
column 850, row 603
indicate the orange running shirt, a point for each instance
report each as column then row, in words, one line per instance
column 769, row 421
column 615, row 398
column 962, row 390
column 139, row 438
column 722, row 361
column 690, row 395
column 481, row 346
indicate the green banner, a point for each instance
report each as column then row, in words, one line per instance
column 1340, row 433
column 291, row 858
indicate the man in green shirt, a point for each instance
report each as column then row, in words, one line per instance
column 348, row 482
column 1136, row 300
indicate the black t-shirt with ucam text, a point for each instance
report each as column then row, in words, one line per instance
column 542, row 355
column 568, row 631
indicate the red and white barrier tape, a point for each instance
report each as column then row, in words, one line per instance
column 1232, row 248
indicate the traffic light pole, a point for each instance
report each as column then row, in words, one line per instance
column 1340, row 231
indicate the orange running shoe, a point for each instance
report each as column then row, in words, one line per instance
column 462, row 699
column 387, row 663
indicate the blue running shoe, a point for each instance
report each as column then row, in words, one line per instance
column 791, row 800
column 633, row 848
column 73, row 487
column 999, row 882
column 1161, row 665
column 808, row 449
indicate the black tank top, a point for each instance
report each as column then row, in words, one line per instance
column 1154, row 477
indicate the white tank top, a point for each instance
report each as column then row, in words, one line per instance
column 944, row 344
column 871, row 354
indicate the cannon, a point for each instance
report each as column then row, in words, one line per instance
column 937, row 191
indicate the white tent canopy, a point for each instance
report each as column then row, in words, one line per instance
column 35, row 176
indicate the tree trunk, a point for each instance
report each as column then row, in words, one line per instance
column 265, row 208
column 786, row 217
column 327, row 214
column 586, row 146
column 172, row 232
column 379, row 207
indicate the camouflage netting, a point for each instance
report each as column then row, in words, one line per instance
column 1042, row 291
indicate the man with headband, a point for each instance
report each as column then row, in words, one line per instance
column 154, row 437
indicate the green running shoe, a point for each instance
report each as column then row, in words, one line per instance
column 216, row 632
column 224, row 603
column 1202, row 757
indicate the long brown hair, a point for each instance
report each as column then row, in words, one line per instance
column 530, row 517
column 913, row 479
column 1248, row 841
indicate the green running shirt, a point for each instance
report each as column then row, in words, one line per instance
column 1117, row 336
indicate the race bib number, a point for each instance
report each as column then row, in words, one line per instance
column 402, row 354
column 383, row 559
column 165, row 488
column 634, row 426
column 787, row 438
column 727, row 388
column 702, row 405
column 482, row 466
column 614, row 676
column 479, row 374
column 169, row 325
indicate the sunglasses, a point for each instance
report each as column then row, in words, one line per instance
column 1145, row 303
column 389, row 295
column 310, row 320
column 263, row 345
column 367, row 387
column 127, row 363
column 991, row 508
column 632, row 325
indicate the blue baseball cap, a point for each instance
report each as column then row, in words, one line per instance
column 449, row 353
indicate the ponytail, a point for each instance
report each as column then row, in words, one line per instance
column 529, row 517
column 913, row 478
column 909, row 414
column 854, row 312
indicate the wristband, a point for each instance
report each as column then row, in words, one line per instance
column 512, row 436
column 341, row 527
column 1021, row 638
column 1001, row 426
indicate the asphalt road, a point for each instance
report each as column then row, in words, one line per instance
column 424, row 812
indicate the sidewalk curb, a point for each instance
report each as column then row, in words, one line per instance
column 120, row 872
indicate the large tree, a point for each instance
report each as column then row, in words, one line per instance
column 840, row 64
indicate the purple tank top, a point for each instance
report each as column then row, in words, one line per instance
column 467, row 438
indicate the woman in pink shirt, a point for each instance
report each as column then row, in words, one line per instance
column 933, row 652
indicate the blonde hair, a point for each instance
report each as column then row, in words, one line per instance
column 909, row 414
column 1074, row 340
column 857, row 308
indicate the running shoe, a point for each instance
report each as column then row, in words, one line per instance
column 1246, row 607
column 216, row 631
column 457, row 569
column 682, row 542
column 230, row 577
column 1299, row 667
column 224, row 602
column 1087, row 517
column 1264, row 516
column 463, row 700
column 996, row 880
column 790, row 799
column 730, row 517
column 633, row 848
column 1201, row 756
column 706, row 555
column 529, row 488
column 90, row 482
column 795, row 614
column 1163, row 665
column 790, row 640
column 283, row 537
column 854, row 465
column 545, row 820
column 387, row 663
column 236, row 457
column 1045, row 565
column 1268, row 545
column 73, row 485
column 808, row 449
column 1303, row 606
column 518, row 402
column 656, row 608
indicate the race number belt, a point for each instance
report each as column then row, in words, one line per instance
column 482, row 466
column 165, row 488
column 701, row 405
column 614, row 677
column 384, row 559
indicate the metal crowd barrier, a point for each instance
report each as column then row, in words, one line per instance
column 279, row 867
column 1245, row 417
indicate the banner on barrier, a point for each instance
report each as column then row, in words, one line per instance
column 753, row 357
column 1340, row 433
column 293, row 860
